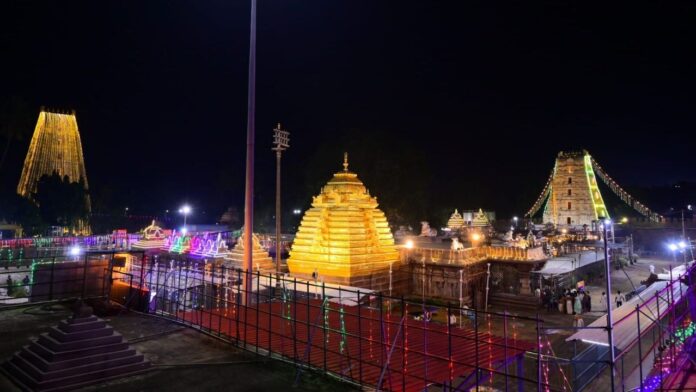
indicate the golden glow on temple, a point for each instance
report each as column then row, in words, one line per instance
column 262, row 261
column 55, row 146
column 344, row 237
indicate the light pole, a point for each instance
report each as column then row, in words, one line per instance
column 610, row 324
column 281, row 142
column 185, row 210
column 249, row 188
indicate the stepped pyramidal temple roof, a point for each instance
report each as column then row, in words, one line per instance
column 260, row 257
column 343, row 237
column 456, row 221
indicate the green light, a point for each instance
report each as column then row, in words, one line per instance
column 599, row 208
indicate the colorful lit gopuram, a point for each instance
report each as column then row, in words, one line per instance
column 55, row 146
column 344, row 238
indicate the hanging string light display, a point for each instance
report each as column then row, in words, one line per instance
column 327, row 307
column 342, row 344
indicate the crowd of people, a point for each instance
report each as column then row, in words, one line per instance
column 565, row 300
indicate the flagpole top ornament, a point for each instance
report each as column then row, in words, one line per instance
column 345, row 162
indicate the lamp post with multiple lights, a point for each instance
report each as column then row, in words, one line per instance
column 185, row 210
column 281, row 142
column 610, row 323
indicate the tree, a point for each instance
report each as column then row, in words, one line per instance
column 62, row 202
column 19, row 210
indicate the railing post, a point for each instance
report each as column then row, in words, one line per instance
column 326, row 319
column 538, row 343
column 258, row 303
column 450, row 365
column 403, row 347
column 505, row 346
column 476, row 344
column 294, row 319
column 50, row 289
column 640, row 349
column 360, row 338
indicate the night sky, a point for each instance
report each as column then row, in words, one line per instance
column 468, row 101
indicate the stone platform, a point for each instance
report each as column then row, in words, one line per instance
column 80, row 351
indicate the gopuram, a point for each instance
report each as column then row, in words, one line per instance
column 344, row 238
column 55, row 148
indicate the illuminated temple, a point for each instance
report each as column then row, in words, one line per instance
column 261, row 259
column 344, row 238
column 55, row 147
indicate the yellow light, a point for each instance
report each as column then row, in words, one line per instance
column 624, row 220
column 475, row 237
column 563, row 231
column 409, row 244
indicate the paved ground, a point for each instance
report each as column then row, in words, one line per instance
column 183, row 359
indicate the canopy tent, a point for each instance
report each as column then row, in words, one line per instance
column 677, row 272
column 625, row 317
column 568, row 263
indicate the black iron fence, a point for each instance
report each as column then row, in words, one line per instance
column 372, row 339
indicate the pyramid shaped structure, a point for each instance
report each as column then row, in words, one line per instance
column 480, row 219
column 261, row 259
column 81, row 350
column 456, row 221
column 344, row 237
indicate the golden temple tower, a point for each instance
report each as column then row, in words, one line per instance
column 456, row 221
column 344, row 238
column 55, row 146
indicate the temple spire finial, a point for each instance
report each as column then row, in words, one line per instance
column 345, row 161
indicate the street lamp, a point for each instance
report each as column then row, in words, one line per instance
column 610, row 322
column 281, row 142
column 185, row 210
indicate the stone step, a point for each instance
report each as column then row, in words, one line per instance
column 53, row 344
column 81, row 320
column 46, row 366
column 73, row 382
column 67, row 327
column 51, row 355
column 63, row 336
column 19, row 375
column 40, row 375
column 512, row 301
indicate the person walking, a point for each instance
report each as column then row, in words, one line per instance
column 619, row 299
column 587, row 302
column 603, row 303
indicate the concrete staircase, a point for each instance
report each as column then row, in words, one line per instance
column 512, row 302
column 81, row 350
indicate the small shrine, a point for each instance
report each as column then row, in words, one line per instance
column 153, row 237
column 456, row 221
column 480, row 219
column 343, row 238
column 261, row 259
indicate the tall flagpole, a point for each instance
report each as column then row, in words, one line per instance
column 249, row 190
